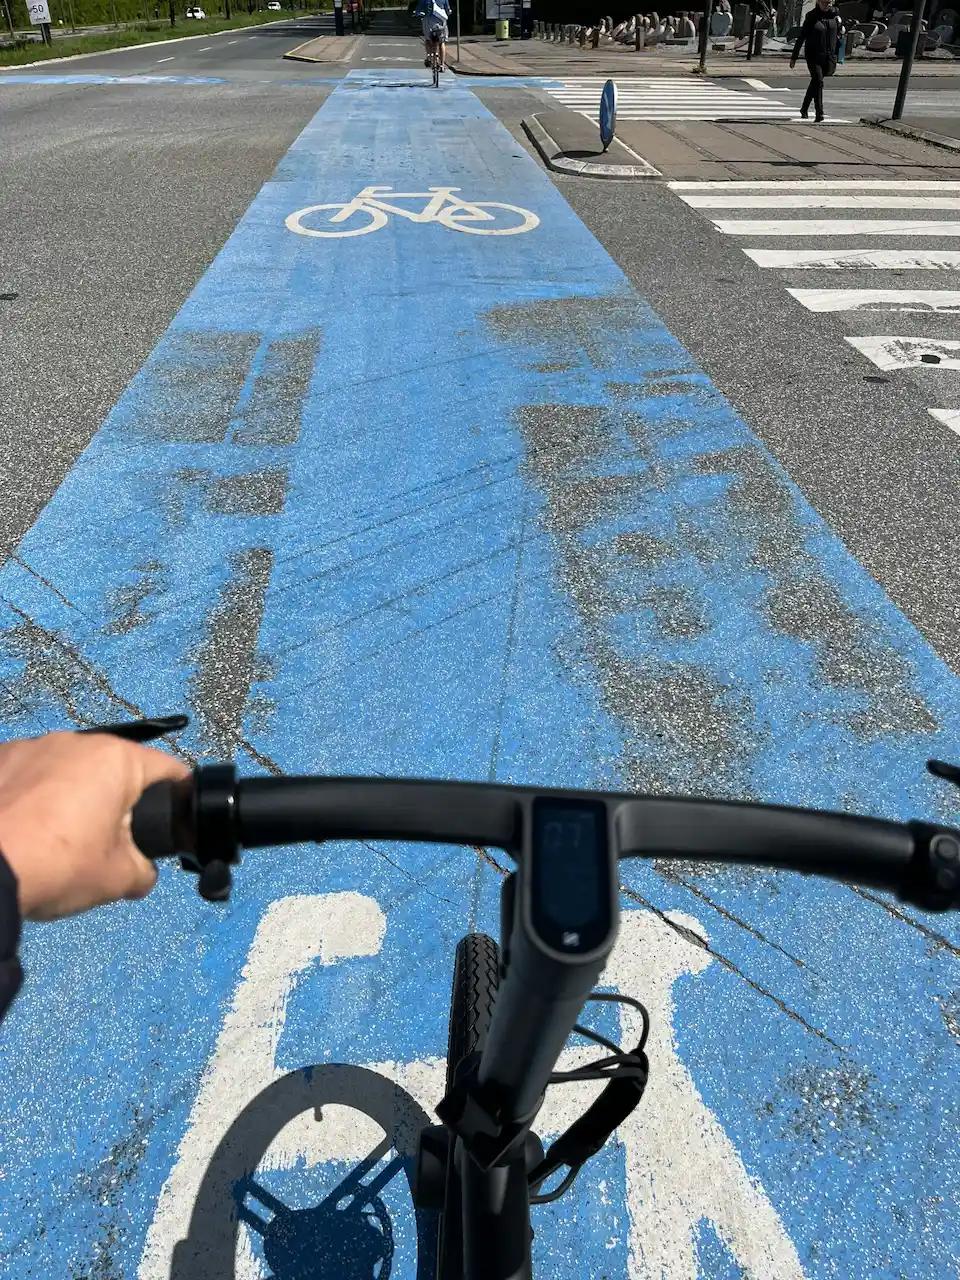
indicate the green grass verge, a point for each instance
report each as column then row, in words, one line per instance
column 143, row 33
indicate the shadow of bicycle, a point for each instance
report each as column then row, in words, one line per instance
column 348, row 1235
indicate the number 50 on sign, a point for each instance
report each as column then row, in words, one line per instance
column 39, row 11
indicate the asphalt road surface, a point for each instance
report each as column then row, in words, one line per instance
column 332, row 417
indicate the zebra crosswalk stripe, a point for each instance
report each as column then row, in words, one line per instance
column 945, row 301
column 907, row 353
column 856, row 259
column 949, row 417
column 816, row 184
column 834, row 227
column 821, row 200
column 669, row 98
column 919, row 198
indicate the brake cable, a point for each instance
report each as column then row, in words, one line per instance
column 626, row 1073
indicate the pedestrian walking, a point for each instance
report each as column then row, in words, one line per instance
column 819, row 38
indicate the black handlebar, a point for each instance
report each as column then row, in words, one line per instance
column 211, row 817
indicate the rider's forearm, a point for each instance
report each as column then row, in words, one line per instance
column 11, row 975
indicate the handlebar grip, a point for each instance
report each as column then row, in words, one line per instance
column 933, row 879
column 158, row 822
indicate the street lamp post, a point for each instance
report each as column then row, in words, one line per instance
column 918, row 8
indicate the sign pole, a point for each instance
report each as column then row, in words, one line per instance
column 458, row 31
column 905, row 70
column 6, row 14
column 705, row 36
column 38, row 11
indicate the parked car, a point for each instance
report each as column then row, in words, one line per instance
column 195, row 12
column 275, row 6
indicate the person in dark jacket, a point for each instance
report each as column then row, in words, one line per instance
column 65, row 843
column 819, row 38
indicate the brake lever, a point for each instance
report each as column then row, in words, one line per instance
column 141, row 730
column 214, row 878
column 942, row 769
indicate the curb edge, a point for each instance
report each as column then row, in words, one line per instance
column 554, row 158
column 908, row 131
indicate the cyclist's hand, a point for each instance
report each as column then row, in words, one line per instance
column 65, row 802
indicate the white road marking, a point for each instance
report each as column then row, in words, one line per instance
column 817, row 200
column 233, row 42
column 833, row 227
column 942, row 300
column 668, row 98
column 855, row 259
column 205, row 48
column 294, row 934
column 170, row 59
column 760, row 84
column 800, row 184
column 909, row 353
column 680, row 1172
column 949, row 417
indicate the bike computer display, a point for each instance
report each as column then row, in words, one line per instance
column 570, row 874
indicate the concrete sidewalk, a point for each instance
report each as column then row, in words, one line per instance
column 709, row 150
column 487, row 56
column 942, row 131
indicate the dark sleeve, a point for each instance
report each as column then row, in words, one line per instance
column 11, row 975
column 802, row 36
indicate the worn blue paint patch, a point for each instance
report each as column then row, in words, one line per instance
column 421, row 501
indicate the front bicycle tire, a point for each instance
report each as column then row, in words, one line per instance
column 476, row 977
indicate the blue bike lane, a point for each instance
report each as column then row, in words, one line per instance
column 425, row 501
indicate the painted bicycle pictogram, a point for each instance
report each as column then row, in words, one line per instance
column 369, row 210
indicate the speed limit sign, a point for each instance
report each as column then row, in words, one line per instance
column 39, row 12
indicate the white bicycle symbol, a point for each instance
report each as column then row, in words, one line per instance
column 372, row 211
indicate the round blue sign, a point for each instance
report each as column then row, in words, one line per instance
column 608, row 113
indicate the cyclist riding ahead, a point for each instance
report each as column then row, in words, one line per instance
column 434, row 17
